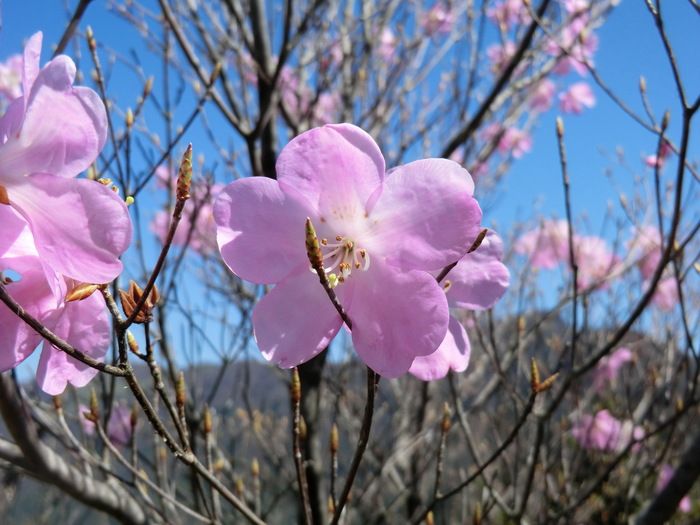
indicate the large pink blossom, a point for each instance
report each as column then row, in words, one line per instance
column 576, row 97
column 477, row 282
column 604, row 432
column 381, row 235
column 48, row 136
column 84, row 324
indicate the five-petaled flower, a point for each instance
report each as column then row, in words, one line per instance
column 381, row 233
column 47, row 137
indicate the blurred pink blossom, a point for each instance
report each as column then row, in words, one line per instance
column 667, row 472
column 645, row 248
column 478, row 281
column 118, row 428
column 581, row 45
column 387, row 45
column 437, row 20
column 576, row 97
column 664, row 152
column 604, row 432
column 666, row 294
column 378, row 244
column 609, row 367
column 575, row 6
column 507, row 13
column 595, row 261
column 546, row 246
column 499, row 55
column 541, row 95
column 197, row 228
column 512, row 141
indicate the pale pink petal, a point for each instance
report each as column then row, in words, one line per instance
column 80, row 227
column 18, row 339
column 63, row 130
column 296, row 320
column 260, row 229
column 15, row 239
column 425, row 218
column 32, row 61
column 396, row 317
column 452, row 354
column 85, row 325
column 335, row 167
column 480, row 279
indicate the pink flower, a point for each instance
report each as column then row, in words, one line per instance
column 381, row 234
column 546, row 246
column 604, row 432
column 667, row 472
column 542, row 94
column 575, row 6
column 499, row 55
column 478, row 281
column 666, row 294
column 609, row 367
column 197, row 228
column 11, row 78
column 118, row 427
column 48, row 136
column 299, row 100
column 576, row 97
column 387, row 45
column 664, row 152
column 511, row 141
column 506, row 13
column 595, row 261
column 645, row 247
column 438, row 20
column 581, row 45
column 84, row 324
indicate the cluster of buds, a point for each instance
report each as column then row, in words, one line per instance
column 131, row 298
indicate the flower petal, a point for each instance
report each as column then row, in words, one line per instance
column 453, row 354
column 18, row 339
column 480, row 279
column 63, row 130
column 337, row 168
column 426, row 217
column 396, row 316
column 260, row 230
column 296, row 320
column 85, row 325
column 80, row 227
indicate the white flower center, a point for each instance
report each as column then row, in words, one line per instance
column 341, row 257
